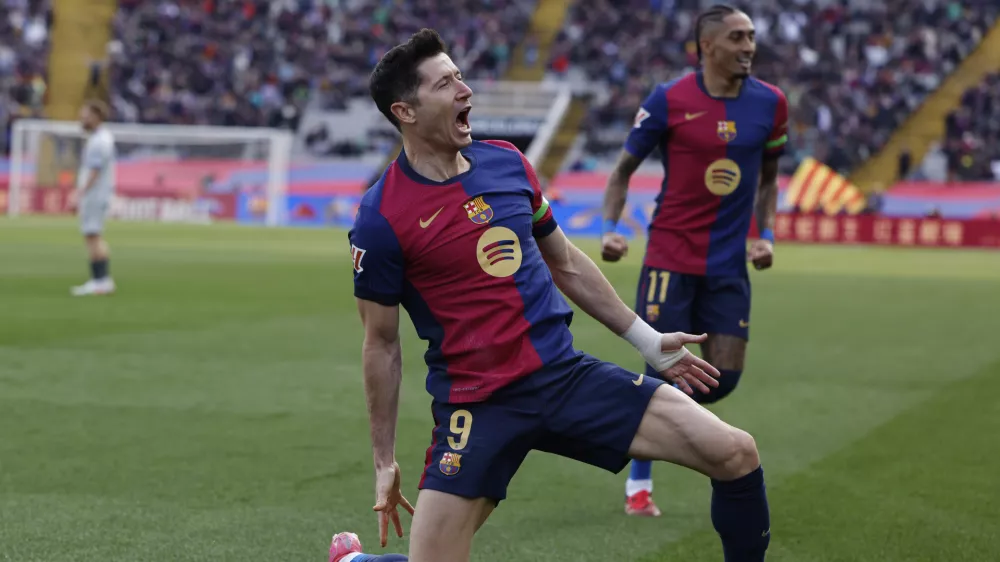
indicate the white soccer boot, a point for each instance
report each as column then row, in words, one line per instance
column 94, row 287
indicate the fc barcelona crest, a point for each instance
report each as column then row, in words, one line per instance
column 479, row 212
column 450, row 464
column 727, row 130
column 652, row 312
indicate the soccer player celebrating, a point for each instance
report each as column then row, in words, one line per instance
column 717, row 130
column 459, row 234
column 95, row 186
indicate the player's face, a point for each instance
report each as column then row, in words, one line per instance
column 87, row 119
column 734, row 45
column 442, row 114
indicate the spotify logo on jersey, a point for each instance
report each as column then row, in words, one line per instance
column 722, row 177
column 499, row 252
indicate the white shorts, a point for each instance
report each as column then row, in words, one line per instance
column 92, row 213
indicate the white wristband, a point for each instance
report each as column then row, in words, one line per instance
column 642, row 336
column 649, row 343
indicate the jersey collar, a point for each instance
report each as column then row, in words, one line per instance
column 404, row 164
column 700, row 78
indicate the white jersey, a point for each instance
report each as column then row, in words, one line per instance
column 98, row 154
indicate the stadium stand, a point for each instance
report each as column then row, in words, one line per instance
column 859, row 75
column 972, row 133
column 24, row 50
column 852, row 70
column 263, row 63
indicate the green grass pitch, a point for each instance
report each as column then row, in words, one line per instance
column 213, row 409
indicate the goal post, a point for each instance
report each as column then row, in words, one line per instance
column 152, row 160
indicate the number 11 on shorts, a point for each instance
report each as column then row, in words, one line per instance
column 664, row 278
column 461, row 425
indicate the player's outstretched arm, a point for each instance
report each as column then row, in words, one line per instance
column 579, row 278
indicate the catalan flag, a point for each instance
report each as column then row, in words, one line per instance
column 815, row 185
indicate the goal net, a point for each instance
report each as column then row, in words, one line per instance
column 176, row 173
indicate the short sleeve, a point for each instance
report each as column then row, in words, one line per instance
column 778, row 138
column 542, row 221
column 650, row 124
column 377, row 258
column 97, row 154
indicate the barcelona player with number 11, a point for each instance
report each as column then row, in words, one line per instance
column 717, row 130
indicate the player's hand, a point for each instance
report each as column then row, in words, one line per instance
column 387, row 498
column 72, row 200
column 761, row 254
column 614, row 246
column 690, row 372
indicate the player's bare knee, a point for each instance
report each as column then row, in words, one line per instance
column 739, row 458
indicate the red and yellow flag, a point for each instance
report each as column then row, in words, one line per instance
column 815, row 185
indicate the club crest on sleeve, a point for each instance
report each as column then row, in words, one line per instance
column 450, row 464
column 357, row 254
column 727, row 130
column 640, row 116
column 478, row 210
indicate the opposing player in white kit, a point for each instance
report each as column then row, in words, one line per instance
column 95, row 185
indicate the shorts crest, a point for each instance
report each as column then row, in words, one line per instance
column 450, row 464
column 652, row 312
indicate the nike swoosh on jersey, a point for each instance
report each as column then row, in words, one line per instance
column 690, row 116
column 426, row 223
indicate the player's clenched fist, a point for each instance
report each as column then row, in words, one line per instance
column 387, row 497
column 761, row 254
column 614, row 246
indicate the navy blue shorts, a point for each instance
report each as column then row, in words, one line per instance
column 582, row 408
column 696, row 304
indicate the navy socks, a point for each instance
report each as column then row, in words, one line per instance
column 741, row 517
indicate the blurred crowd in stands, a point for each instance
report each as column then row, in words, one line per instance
column 972, row 133
column 24, row 51
column 852, row 69
column 261, row 62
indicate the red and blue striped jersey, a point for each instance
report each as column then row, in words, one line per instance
column 712, row 150
column 461, row 257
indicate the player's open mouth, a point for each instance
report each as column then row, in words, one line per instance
column 744, row 62
column 462, row 121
